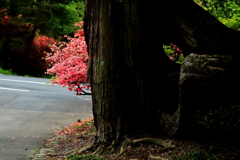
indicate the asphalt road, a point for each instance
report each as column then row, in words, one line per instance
column 31, row 111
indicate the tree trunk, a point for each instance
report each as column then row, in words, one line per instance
column 130, row 91
column 134, row 84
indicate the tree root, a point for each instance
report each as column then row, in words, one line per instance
column 156, row 141
column 127, row 143
column 84, row 148
column 124, row 146
column 160, row 142
column 100, row 150
column 157, row 157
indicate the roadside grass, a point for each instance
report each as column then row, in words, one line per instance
column 9, row 72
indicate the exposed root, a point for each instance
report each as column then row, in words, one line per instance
column 82, row 149
column 100, row 149
column 124, row 146
column 111, row 148
column 161, row 142
column 156, row 141
column 157, row 157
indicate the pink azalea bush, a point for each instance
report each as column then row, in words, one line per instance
column 68, row 62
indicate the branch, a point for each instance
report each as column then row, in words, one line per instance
column 85, row 93
column 82, row 91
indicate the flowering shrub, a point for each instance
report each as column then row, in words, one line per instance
column 42, row 44
column 174, row 53
column 68, row 62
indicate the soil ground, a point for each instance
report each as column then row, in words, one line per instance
column 80, row 133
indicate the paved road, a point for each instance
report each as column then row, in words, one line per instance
column 31, row 111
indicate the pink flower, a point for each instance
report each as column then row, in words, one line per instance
column 69, row 61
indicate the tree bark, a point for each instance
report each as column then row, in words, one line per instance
column 134, row 84
column 208, row 90
column 129, row 89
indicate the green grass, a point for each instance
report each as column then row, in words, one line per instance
column 9, row 72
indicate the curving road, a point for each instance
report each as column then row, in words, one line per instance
column 31, row 111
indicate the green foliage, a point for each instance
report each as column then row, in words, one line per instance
column 174, row 53
column 52, row 18
column 23, row 20
column 7, row 72
column 70, row 15
column 226, row 11
column 84, row 157
column 232, row 22
column 10, row 72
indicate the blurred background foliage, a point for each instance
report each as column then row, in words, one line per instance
column 28, row 25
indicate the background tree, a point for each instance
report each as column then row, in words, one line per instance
column 51, row 18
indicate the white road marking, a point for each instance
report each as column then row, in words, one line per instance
column 14, row 89
column 22, row 81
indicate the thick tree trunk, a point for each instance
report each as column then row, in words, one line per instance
column 134, row 84
column 130, row 88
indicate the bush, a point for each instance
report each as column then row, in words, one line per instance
column 18, row 51
column 68, row 62
column 174, row 53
